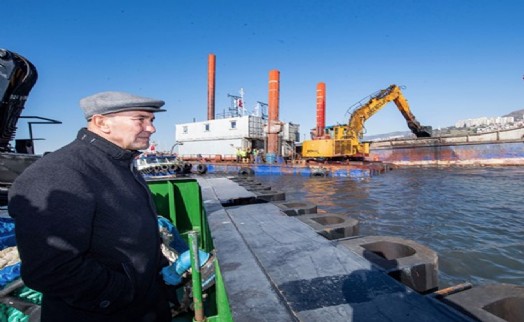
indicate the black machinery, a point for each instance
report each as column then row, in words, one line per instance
column 17, row 78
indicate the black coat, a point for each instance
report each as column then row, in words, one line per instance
column 87, row 234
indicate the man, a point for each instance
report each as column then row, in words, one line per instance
column 86, row 225
column 239, row 155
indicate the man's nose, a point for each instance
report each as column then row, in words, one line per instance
column 151, row 128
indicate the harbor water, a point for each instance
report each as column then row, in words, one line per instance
column 472, row 217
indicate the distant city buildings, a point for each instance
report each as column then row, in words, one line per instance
column 462, row 127
column 485, row 121
column 490, row 124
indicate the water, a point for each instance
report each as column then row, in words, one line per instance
column 472, row 217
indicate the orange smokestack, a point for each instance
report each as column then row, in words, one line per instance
column 274, row 93
column 211, row 67
column 321, row 109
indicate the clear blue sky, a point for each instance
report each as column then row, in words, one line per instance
column 457, row 59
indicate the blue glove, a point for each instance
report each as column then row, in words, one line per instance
column 177, row 243
column 164, row 222
column 183, row 262
column 172, row 274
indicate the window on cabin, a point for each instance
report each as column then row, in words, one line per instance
column 233, row 124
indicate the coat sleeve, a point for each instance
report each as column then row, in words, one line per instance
column 53, row 220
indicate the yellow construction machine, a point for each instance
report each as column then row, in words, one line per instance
column 343, row 142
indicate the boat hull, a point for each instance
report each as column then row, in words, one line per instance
column 505, row 148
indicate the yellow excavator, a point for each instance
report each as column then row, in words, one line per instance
column 343, row 142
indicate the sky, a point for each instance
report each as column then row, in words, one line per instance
column 458, row 59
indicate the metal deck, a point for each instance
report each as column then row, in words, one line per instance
column 276, row 268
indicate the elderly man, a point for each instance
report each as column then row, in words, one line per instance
column 86, row 225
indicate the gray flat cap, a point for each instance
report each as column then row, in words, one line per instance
column 112, row 102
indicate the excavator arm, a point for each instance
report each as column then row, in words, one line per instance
column 359, row 116
column 402, row 104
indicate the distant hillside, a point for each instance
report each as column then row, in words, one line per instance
column 516, row 114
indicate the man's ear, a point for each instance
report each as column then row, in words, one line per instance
column 101, row 123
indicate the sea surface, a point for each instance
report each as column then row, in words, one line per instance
column 472, row 217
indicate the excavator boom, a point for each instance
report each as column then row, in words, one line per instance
column 377, row 102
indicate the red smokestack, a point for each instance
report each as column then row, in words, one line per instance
column 274, row 93
column 211, row 66
column 321, row 109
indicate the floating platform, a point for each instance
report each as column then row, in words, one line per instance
column 277, row 268
column 353, row 169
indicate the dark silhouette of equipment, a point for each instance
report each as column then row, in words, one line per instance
column 17, row 78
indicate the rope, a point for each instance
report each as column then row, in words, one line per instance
column 10, row 314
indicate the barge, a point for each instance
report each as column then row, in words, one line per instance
column 356, row 170
column 499, row 148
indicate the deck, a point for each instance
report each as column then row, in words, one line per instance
column 276, row 268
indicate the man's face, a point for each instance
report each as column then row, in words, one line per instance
column 130, row 130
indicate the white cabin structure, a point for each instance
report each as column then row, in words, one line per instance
column 219, row 139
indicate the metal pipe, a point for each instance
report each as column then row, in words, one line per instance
column 211, row 69
column 196, row 278
column 452, row 290
column 321, row 109
column 274, row 93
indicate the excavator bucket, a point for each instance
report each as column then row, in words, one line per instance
column 17, row 78
column 420, row 131
column 425, row 132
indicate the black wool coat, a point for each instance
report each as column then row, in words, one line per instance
column 88, row 236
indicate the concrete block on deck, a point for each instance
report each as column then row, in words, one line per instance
column 296, row 207
column 270, row 195
column 410, row 263
column 490, row 303
column 332, row 226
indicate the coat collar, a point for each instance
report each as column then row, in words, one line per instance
column 106, row 146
